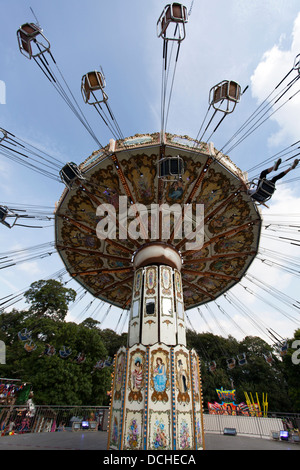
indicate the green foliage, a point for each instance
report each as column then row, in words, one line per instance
column 49, row 298
column 291, row 371
column 55, row 380
column 255, row 376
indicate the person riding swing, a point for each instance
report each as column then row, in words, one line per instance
column 266, row 188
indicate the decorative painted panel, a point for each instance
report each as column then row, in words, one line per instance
column 136, row 375
column 184, row 431
column 133, row 430
column 156, row 402
column 197, row 400
column 159, row 375
column 160, row 430
column 150, row 308
column 134, row 402
column 167, row 316
column 179, row 305
column 117, row 404
column 136, row 307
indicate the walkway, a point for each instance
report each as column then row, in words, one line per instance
column 97, row 441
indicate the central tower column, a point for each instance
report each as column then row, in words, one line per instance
column 156, row 394
column 157, row 310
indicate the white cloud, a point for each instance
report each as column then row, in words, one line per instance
column 275, row 64
column 30, row 267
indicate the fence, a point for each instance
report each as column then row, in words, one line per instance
column 21, row 419
column 252, row 425
column 42, row 418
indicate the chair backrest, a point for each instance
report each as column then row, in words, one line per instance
column 29, row 32
column 172, row 13
column 93, row 81
column 266, row 186
column 242, row 359
column 225, row 95
column 264, row 191
column 231, row 363
column 227, row 90
column 69, row 173
column 171, row 168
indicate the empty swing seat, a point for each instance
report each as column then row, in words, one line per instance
column 242, row 359
column 24, row 334
column 171, row 168
column 225, row 91
column 172, row 13
column 231, row 363
column 27, row 34
column 297, row 63
column 212, row 366
column 69, row 173
column 3, row 134
column 90, row 83
column 29, row 347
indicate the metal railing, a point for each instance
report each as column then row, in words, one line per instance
column 55, row 418
column 45, row 418
column 252, row 425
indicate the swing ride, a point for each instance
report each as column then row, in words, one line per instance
column 132, row 190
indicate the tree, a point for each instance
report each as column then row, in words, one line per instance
column 55, row 380
column 60, row 381
column 255, row 376
column 291, row 371
column 49, row 298
column 112, row 341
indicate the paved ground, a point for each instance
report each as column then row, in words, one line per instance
column 98, row 440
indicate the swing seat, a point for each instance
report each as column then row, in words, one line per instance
column 80, row 358
column 49, row 351
column 264, row 191
column 172, row 13
column 24, row 335
column 3, row 213
column 4, row 134
column 29, row 347
column 225, row 93
column 268, row 358
column 283, row 349
column 108, row 362
column 242, row 359
column 231, row 363
column 90, row 83
column 212, row 366
column 171, row 168
column 69, row 173
column 297, row 63
column 65, row 352
column 28, row 33
column 99, row 365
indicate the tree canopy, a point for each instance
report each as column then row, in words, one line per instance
column 49, row 298
column 68, row 381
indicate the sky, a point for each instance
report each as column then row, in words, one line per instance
column 253, row 43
